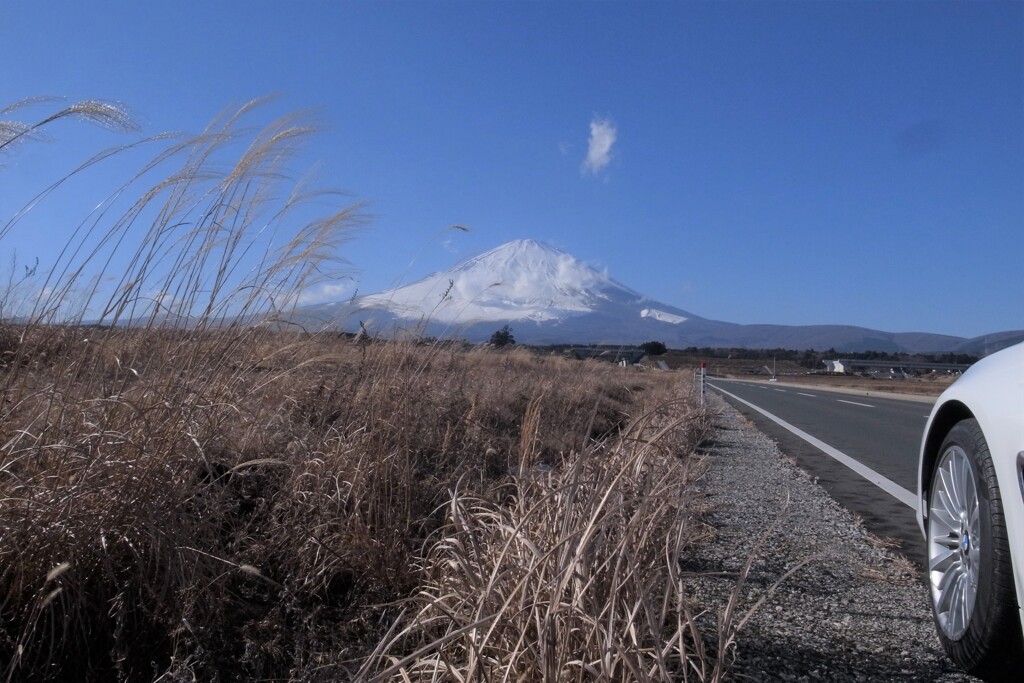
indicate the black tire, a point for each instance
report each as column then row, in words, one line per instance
column 991, row 647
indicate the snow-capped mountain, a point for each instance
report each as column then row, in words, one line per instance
column 546, row 295
column 521, row 280
column 550, row 297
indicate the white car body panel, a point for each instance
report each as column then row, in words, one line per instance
column 992, row 390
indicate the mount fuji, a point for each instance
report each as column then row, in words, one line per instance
column 550, row 297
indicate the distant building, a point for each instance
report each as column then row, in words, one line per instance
column 836, row 366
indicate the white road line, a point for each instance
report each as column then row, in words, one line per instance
column 854, row 403
column 811, row 395
column 781, row 391
column 889, row 486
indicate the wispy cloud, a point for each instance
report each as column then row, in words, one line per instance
column 324, row 292
column 599, row 147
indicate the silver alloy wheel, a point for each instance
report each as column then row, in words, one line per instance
column 954, row 542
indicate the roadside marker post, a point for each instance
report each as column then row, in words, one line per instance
column 703, row 379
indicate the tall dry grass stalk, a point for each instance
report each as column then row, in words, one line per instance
column 110, row 433
column 572, row 575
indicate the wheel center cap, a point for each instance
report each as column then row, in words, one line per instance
column 965, row 543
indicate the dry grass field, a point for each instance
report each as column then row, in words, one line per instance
column 188, row 498
column 256, row 505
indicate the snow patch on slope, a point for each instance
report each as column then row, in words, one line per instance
column 664, row 317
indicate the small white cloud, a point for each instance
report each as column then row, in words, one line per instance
column 323, row 293
column 599, row 147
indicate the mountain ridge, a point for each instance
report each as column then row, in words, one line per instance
column 550, row 297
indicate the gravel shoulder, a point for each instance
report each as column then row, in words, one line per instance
column 855, row 612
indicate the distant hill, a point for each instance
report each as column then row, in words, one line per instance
column 550, row 297
column 990, row 343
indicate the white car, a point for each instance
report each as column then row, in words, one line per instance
column 971, row 512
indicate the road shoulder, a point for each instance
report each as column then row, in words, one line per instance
column 856, row 612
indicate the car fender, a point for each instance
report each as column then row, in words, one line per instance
column 992, row 392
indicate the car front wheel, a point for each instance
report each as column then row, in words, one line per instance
column 969, row 569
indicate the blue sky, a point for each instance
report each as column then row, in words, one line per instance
column 770, row 162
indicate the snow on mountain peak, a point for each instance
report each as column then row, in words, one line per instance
column 520, row 280
column 662, row 316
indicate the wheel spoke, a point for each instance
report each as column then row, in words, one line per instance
column 966, row 595
column 964, row 480
column 974, row 520
column 941, row 560
column 944, row 523
column 956, row 601
column 946, row 513
column 949, row 488
column 945, row 586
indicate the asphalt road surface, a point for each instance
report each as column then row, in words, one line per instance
column 862, row 449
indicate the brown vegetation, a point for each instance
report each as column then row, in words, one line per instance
column 258, row 504
column 191, row 498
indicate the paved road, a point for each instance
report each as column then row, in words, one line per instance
column 878, row 437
